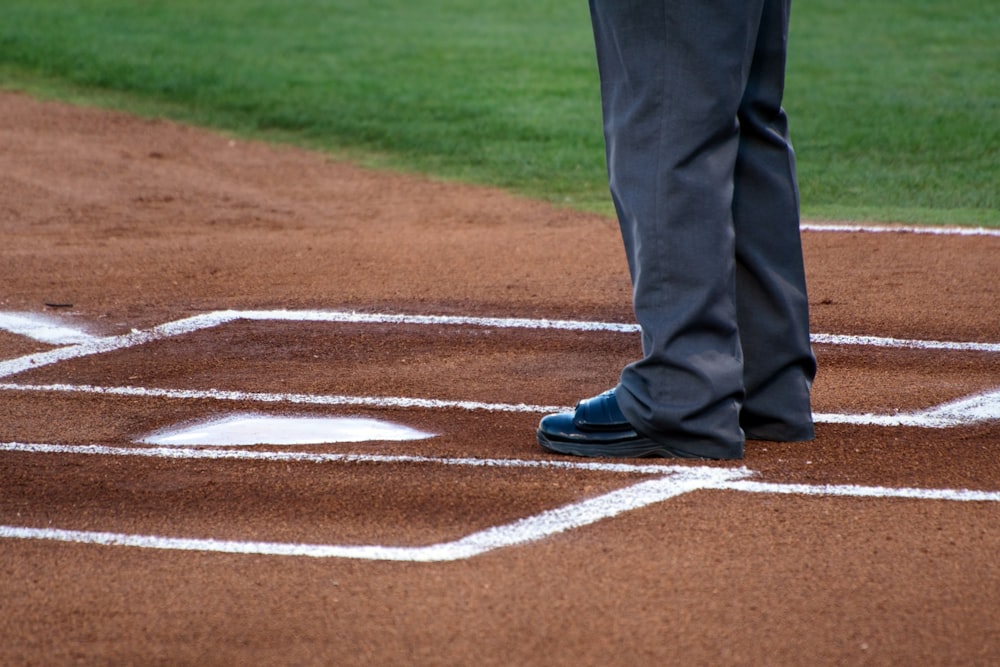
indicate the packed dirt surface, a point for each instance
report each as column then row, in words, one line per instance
column 857, row 548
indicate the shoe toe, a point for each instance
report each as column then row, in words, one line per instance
column 564, row 427
column 559, row 426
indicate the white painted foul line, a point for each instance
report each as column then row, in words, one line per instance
column 678, row 480
column 209, row 320
column 971, row 410
column 902, row 343
column 900, row 229
column 968, row 411
column 289, row 398
column 671, row 481
column 110, row 343
column 523, row 531
column 334, row 457
column 43, row 329
column 853, row 491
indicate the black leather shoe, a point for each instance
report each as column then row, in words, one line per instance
column 597, row 428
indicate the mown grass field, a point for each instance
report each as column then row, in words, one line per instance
column 895, row 106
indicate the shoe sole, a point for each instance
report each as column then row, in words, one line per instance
column 632, row 449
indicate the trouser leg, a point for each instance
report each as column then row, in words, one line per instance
column 772, row 308
column 672, row 80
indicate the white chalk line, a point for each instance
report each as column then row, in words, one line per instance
column 471, row 545
column 43, row 329
column 185, row 453
column 287, row 398
column 111, row 343
column 981, row 407
column 214, row 319
column 902, row 343
column 47, row 329
column 852, row 491
column 900, row 229
column 968, row 411
column 523, row 531
column 677, row 481
column 93, row 346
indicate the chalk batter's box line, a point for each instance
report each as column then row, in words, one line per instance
column 899, row 229
column 971, row 409
column 217, row 318
column 674, row 481
column 670, row 481
column 967, row 411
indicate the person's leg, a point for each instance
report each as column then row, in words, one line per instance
column 771, row 299
column 672, row 78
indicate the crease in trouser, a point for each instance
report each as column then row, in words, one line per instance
column 673, row 79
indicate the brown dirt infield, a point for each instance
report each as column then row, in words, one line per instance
column 112, row 223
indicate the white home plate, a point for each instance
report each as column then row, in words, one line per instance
column 249, row 429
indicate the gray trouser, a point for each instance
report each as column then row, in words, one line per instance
column 702, row 175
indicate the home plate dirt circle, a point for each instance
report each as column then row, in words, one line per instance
column 261, row 406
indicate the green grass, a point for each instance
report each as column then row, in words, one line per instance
column 895, row 106
column 896, row 109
